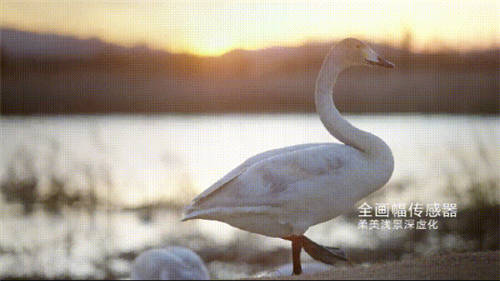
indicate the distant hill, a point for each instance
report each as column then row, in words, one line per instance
column 50, row 73
column 17, row 43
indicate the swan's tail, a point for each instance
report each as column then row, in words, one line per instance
column 190, row 213
column 219, row 213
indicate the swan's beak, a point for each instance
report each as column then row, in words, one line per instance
column 373, row 58
column 380, row 62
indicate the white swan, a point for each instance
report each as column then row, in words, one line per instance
column 172, row 263
column 282, row 192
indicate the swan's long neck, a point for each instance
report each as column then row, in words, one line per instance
column 334, row 122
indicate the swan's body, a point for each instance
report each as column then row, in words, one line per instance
column 173, row 263
column 282, row 192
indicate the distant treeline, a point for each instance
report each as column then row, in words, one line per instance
column 141, row 80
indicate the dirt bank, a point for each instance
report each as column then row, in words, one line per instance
column 479, row 265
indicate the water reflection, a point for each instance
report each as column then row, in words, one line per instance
column 98, row 189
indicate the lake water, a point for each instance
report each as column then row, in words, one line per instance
column 136, row 160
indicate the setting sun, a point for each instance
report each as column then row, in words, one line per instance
column 215, row 27
column 212, row 44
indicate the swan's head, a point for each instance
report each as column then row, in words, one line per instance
column 355, row 52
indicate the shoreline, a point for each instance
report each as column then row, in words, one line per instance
column 452, row 266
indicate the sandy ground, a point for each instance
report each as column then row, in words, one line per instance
column 480, row 265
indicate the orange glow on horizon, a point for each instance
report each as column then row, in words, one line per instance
column 215, row 27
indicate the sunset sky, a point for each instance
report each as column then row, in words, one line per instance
column 215, row 27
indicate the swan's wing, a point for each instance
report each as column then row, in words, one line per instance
column 269, row 183
column 248, row 163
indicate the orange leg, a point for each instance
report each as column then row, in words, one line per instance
column 328, row 255
column 296, row 249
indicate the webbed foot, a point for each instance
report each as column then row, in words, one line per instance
column 328, row 255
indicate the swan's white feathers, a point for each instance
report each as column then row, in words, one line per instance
column 172, row 263
column 272, row 186
column 233, row 174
